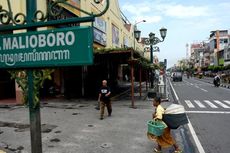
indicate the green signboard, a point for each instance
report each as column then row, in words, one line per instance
column 49, row 48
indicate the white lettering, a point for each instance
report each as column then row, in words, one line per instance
column 21, row 45
column 6, row 43
column 60, row 39
column 27, row 42
column 15, row 43
column 33, row 41
column 50, row 39
column 39, row 40
column 70, row 38
column 42, row 40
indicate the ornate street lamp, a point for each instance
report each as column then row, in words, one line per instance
column 153, row 40
column 163, row 32
column 137, row 34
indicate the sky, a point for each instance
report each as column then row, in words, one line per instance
column 187, row 21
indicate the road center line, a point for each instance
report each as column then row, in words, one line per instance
column 207, row 112
column 197, row 87
column 210, row 84
column 204, row 90
column 192, row 131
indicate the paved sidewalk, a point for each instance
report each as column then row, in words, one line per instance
column 74, row 127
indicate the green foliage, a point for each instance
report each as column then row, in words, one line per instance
column 109, row 50
column 39, row 76
column 216, row 68
column 227, row 67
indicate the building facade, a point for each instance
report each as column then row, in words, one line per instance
column 198, row 54
column 214, row 52
column 218, row 40
column 111, row 31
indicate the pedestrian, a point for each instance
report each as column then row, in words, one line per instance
column 104, row 99
column 165, row 140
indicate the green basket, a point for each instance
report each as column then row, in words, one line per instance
column 156, row 127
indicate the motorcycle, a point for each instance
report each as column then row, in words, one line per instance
column 216, row 82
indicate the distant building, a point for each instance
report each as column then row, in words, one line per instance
column 197, row 54
column 227, row 55
column 218, row 40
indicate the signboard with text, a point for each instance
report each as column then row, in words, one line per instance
column 50, row 48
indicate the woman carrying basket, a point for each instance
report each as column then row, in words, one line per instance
column 165, row 140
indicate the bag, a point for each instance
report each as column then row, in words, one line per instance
column 174, row 109
column 173, row 121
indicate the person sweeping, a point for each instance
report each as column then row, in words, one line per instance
column 165, row 140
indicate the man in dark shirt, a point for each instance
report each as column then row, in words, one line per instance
column 104, row 99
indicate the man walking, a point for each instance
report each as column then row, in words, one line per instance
column 104, row 99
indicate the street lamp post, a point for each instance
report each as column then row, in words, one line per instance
column 153, row 40
column 137, row 34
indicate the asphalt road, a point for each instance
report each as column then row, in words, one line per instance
column 208, row 109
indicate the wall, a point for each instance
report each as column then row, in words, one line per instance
column 116, row 32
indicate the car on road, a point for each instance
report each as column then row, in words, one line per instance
column 177, row 76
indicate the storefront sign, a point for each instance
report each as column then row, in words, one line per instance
column 99, row 37
column 100, row 24
column 115, row 35
column 50, row 48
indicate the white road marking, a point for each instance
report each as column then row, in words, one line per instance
column 197, row 141
column 190, row 105
column 208, row 112
column 173, row 90
column 192, row 131
column 221, row 104
column 199, row 103
column 204, row 90
column 227, row 101
column 210, row 84
column 197, row 86
column 210, row 104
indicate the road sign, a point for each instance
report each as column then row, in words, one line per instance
column 51, row 48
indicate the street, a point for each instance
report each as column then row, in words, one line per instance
column 208, row 109
column 74, row 126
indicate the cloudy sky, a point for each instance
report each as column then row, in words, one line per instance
column 187, row 21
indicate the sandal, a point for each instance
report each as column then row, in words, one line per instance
column 155, row 150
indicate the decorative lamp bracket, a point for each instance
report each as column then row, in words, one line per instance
column 7, row 19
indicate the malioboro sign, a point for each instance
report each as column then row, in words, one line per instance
column 50, row 48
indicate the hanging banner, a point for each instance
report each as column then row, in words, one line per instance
column 51, row 48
